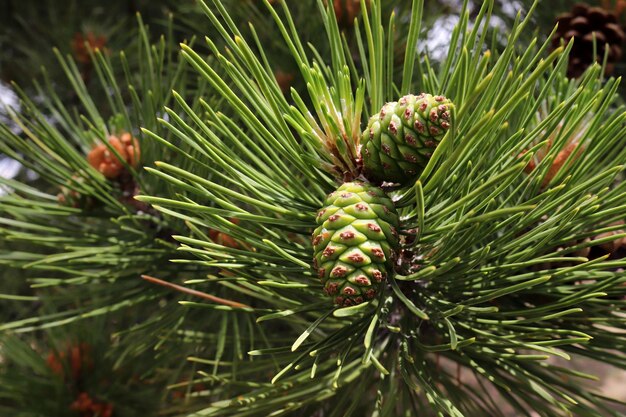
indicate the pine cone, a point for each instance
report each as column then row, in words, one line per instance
column 583, row 23
column 355, row 243
column 398, row 141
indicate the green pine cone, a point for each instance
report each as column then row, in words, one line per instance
column 355, row 243
column 399, row 141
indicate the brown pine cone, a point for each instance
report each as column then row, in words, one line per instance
column 583, row 23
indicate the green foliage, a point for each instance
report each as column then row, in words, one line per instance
column 32, row 29
column 86, row 259
column 46, row 378
column 495, row 285
column 78, row 239
column 489, row 278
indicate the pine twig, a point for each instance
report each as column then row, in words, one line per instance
column 194, row 292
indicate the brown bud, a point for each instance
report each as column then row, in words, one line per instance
column 109, row 164
column 79, row 42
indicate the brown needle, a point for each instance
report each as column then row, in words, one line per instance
column 194, row 292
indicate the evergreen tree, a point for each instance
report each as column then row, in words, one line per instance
column 392, row 235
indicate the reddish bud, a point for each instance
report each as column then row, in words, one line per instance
column 346, row 235
column 356, row 257
column 349, row 291
column 339, row 271
column 329, row 251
